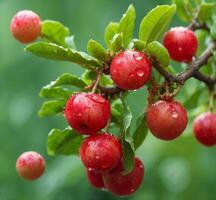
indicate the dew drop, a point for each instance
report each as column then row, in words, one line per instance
column 174, row 114
column 138, row 56
column 180, row 49
column 97, row 157
column 96, row 98
column 80, row 114
column 140, row 73
column 132, row 190
column 132, row 75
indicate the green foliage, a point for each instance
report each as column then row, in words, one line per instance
column 126, row 25
column 139, row 45
column 66, row 142
column 97, row 50
column 51, row 108
column 140, row 132
column 68, row 80
column 55, row 32
column 55, row 52
column 110, row 31
column 205, row 12
column 159, row 52
column 184, row 10
column 127, row 140
column 117, row 43
column 56, row 92
column 155, row 22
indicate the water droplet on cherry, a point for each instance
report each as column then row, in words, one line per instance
column 138, row 56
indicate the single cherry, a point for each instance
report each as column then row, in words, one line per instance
column 130, row 69
column 101, row 152
column 26, row 26
column 181, row 44
column 95, row 178
column 166, row 119
column 123, row 185
column 30, row 165
column 87, row 113
column 204, row 128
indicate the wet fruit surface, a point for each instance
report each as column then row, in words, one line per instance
column 26, row 26
column 87, row 113
column 101, row 152
column 181, row 44
column 166, row 119
column 95, row 178
column 204, row 128
column 30, row 165
column 123, row 185
column 130, row 69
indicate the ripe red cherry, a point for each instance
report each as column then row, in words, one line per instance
column 26, row 26
column 30, row 165
column 204, row 128
column 166, row 119
column 123, row 185
column 130, row 69
column 95, row 178
column 87, row 113
column 181, row 44
column 101, row 152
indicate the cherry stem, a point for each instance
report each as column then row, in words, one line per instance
column 211, row 101
column 96, row 83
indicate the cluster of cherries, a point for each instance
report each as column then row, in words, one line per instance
column 89, row 113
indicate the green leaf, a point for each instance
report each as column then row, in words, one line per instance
column 51, row 108
column 127, row 140
column 56, row 92
column 158, row 52
column 116, row 110
column 155, row 22
column 193, row 100
column 184, row 10
column 110, row 31
column 55, row 52
column 139, row 45
column 70, row 42
column 97, row 50
column 126, row 25
column 68, row 80
column 140, row 132
column 206, row 11
column 128, row 157
column 213, row 30
column 117, row 43
column 63, row 142
column 55, row 32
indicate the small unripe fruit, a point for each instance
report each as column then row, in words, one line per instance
column 204, row 128
column 130, row 69
column 87, row 113
column 95, row 178
column 26, row 26
column 181, row 44
column 101, row 152
column 123, row 185
column 166, row 119
column 30, row 165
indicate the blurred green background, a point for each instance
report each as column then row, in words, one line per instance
column 177, row 170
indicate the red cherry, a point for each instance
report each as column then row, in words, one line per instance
column 130, row 69
column 166, row 119
column 26, row 26
column 204, row 128
column 30, row 165
column 181, row 44
column 123, row 185
column 87, row 113
column 101, row 152
column 95, row 178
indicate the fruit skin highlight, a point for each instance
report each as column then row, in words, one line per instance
column 166, row 119
column 101, row 152
column 130, row 69
column 26, row 26
column 87, row 113
column 30, row 165
column 95, row 178
column 123, row 185
column 204, row 128
column 181, row 44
